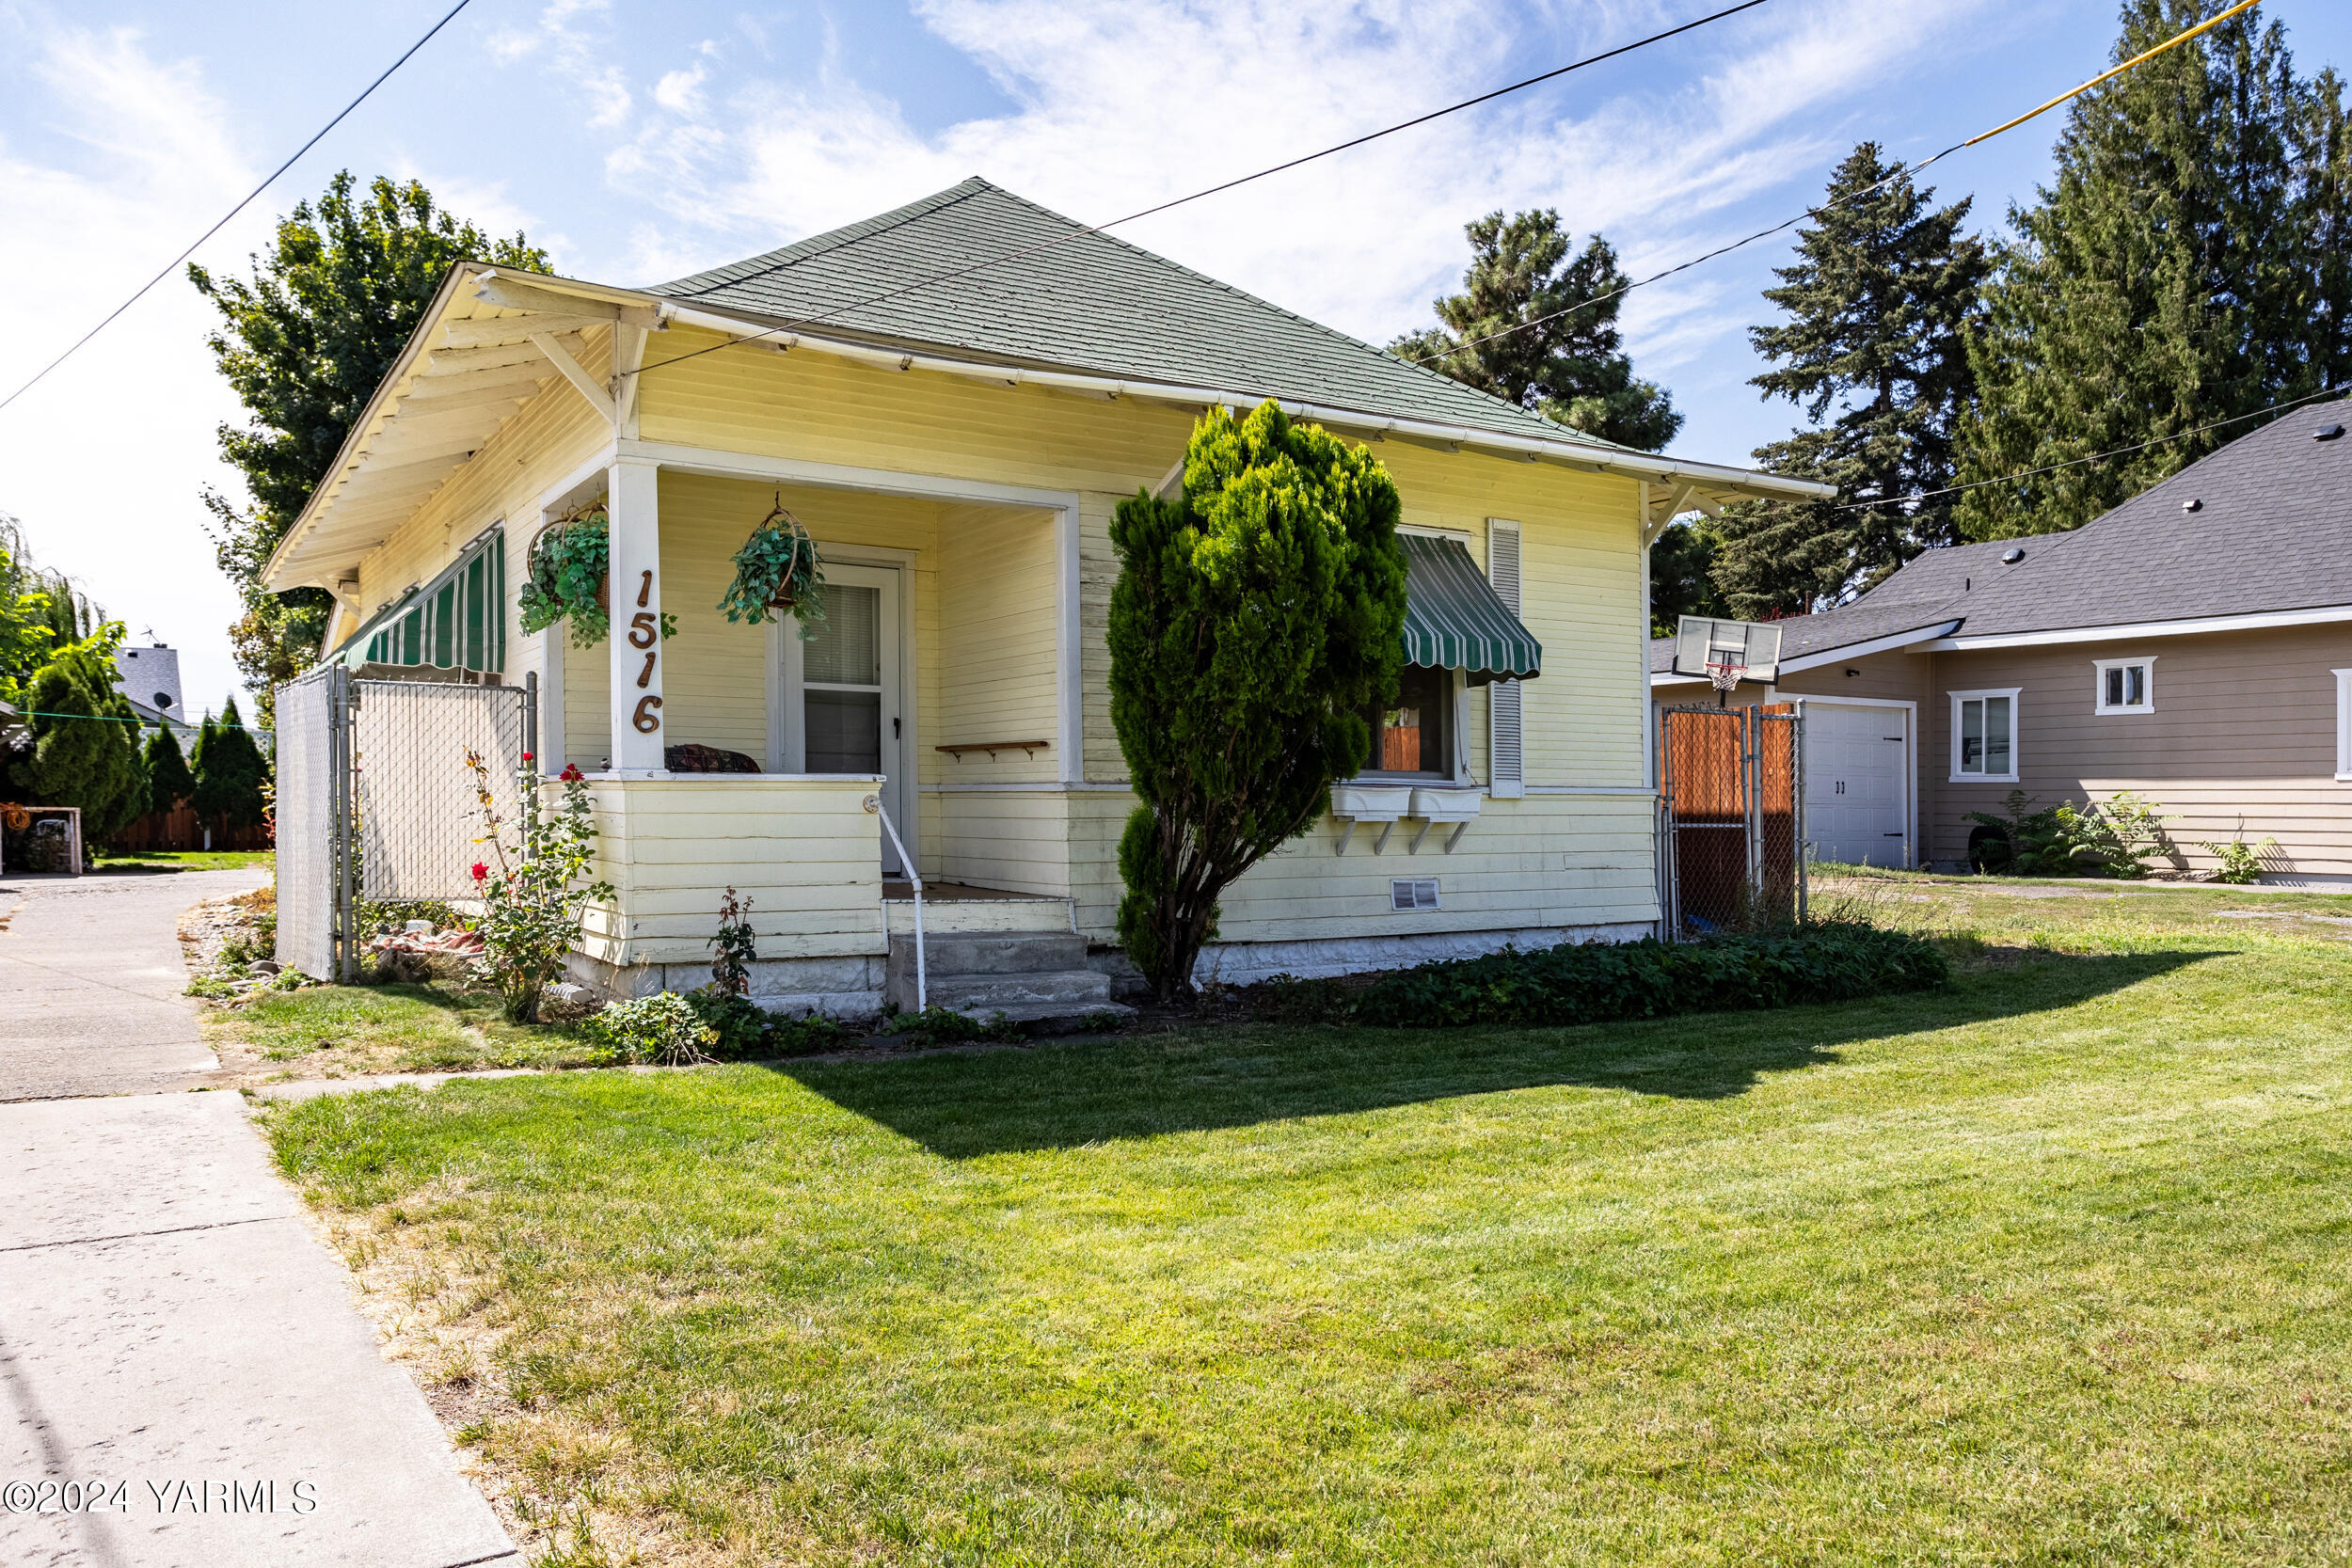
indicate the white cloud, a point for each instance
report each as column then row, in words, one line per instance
column 570, row 35
column 1119, row 104
column 104, row 460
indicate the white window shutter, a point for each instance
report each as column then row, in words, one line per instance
column 1506, row 749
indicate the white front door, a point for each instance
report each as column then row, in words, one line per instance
column 842, row 710
column 1855, row 760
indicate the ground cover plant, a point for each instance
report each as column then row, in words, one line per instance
column 2046, row 1265
column 1832, row 961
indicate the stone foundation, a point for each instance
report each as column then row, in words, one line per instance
column 1246, row 964
column 848, row 990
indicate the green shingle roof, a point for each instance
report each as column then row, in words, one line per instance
column 1091, row 303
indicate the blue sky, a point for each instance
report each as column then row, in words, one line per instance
column 637, row 142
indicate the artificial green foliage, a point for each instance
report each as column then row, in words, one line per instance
column 230, row 771
column 1559, row 351
column 778, row 562
column 1872, row 352
column 169, row 783
column 85, row 747
column 1258, row 617
column 2188, row 262
column 569, row 563
column 1602, row 982
column 303, row 342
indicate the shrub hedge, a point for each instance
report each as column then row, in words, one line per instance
column 1597, row 982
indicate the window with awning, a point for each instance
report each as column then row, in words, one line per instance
column 1454, row 620
column 456, row 623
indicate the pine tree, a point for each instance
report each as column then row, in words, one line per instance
column 1877, row 300
column 169, row 785
column 230, row 771
column 1682, row 576
column 1572, row 366
column 2182, row 268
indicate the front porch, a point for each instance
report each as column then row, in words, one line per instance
column 929, row 718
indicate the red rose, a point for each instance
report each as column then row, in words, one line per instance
column 480, row 871
column 571, row 773
column 527, row 756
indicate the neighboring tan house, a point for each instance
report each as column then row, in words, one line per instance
column 2194, row 645
column 954, row 397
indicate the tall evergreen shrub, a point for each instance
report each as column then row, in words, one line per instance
column 1258, row 617
column 169, row 783
column 230, row 771
column 84, row 751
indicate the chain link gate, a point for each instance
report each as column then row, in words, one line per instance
column 376, row 802
column 1731, row 818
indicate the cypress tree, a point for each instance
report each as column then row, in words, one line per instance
column 1571, row 368
column 169, row 780
column 2169, row 276
column 230, row 771
column 1257, row 619
column 1876, row 302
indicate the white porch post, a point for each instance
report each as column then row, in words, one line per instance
column 632, row 504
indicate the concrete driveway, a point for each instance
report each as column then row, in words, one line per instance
column 183, row 1377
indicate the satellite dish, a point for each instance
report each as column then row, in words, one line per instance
column 1728, row 651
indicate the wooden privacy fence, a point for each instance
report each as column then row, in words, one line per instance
column 181, row 828
column 1731, row 827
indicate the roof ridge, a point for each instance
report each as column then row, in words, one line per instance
column 1309, row 322
column 844, row 235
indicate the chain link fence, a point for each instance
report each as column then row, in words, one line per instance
column 1731, row 826
column 418, row 815
column 313, row 771
column 376, row 802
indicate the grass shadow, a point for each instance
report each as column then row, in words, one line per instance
column 964, row 1104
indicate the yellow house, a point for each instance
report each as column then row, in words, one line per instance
column 954, row 397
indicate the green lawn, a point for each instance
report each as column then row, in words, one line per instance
column 2049, row 1268
column 341, row 1031
column 182, row 859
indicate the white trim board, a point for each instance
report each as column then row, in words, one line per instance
column 1917, row 639
column 2322, row 615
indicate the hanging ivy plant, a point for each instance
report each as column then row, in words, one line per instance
column 570, row 568
column 777, row 569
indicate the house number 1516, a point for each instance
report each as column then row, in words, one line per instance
column 645, row 632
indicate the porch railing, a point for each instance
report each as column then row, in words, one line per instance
column 914, row 877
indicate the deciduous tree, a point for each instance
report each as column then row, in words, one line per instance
column 304, row 341
column 1258, row 617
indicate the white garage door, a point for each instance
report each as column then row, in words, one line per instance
column 1855, row 759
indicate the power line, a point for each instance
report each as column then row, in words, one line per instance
column 173, row 265
column 2097, row 456
column 1336, row 147
column 1900, row 172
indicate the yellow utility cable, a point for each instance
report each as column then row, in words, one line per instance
column 2110, row 75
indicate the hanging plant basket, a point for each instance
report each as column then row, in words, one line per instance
column 777, row 570
column 570, row 577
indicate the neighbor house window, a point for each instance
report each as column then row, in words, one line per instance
column 1413, row 736
column 2344, row 724
column 2126, row 685
column 1984, row 737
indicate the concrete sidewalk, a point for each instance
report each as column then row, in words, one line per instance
column 177, row 1353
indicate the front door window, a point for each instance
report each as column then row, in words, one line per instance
column 841, row 698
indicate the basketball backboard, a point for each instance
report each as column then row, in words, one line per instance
column 1710, row 649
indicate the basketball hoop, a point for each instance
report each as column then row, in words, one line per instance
column 1724, row 677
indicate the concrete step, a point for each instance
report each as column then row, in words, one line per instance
column 1078, row 990
column 1045, row 1016
column 988, row 953
column 942, row 915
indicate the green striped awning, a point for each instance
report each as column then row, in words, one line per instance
column 1453, row 620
